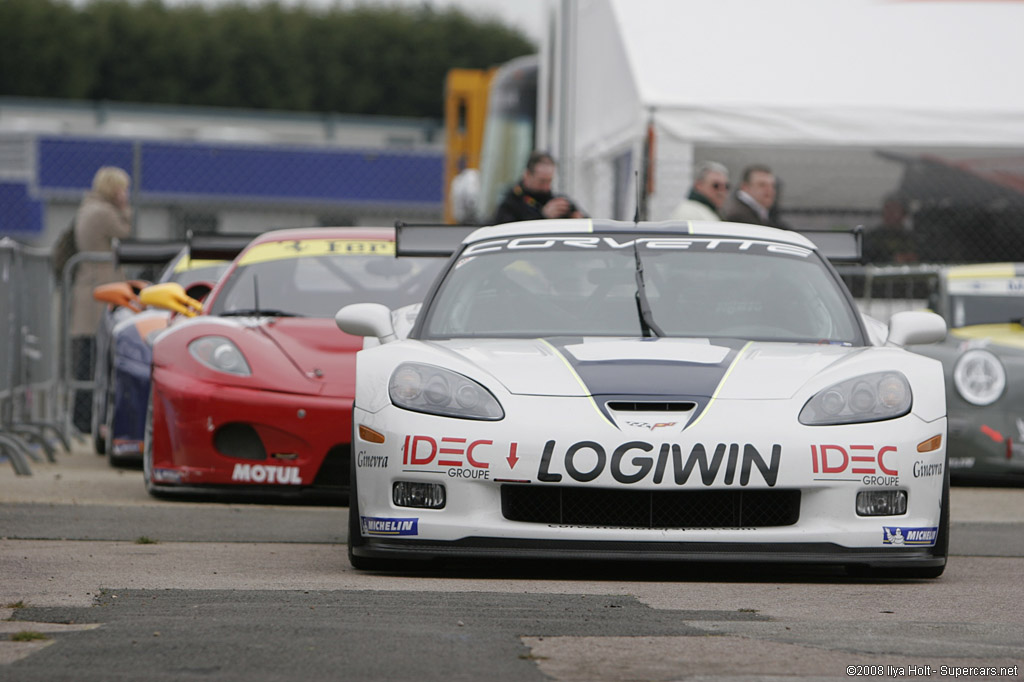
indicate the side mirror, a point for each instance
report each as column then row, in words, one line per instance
column 171, row 296
column 118, row 294
column 915, row 327
column 366, row 319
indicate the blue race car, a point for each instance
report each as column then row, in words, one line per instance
column 126, row 333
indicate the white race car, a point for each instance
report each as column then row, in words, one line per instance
column 651, row 391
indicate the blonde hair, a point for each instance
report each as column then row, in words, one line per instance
column 110, row 180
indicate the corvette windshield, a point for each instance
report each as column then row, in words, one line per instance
column 588, row 286
column 317, row 282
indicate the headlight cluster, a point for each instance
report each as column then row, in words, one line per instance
column 979, row 377
column 219, row 353
column 433, row 390
column 868, row 398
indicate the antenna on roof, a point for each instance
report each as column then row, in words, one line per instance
column 256, row 294
column 636, row 214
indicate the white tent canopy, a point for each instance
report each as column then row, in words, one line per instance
column 840, row 73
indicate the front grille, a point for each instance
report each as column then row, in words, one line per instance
column 650, row 509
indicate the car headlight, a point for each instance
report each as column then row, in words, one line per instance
column 979, row 377
column 433, row 390
column 219, row 353
column 868, row 398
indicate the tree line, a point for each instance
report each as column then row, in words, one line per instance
column 370, row 60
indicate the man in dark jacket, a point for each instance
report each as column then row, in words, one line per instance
column 755, row 199
column 531, row 197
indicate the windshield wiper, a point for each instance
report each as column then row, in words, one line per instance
column 647, row 324
column 259, row 312
column 256, row 310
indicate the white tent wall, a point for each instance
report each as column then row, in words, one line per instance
column 813, row 89
column 674, row 159
column 608, row 112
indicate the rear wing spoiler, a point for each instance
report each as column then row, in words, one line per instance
column 429, row 239
column 200, row 247
column 439, row 239
column 838, row 245
column 145, row 252
column 217, row 246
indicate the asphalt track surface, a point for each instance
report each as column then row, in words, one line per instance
column 125, row 587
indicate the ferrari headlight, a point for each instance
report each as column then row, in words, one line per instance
column 425, row 388
column 219, row 353
column 979, row 377
column 868, row 398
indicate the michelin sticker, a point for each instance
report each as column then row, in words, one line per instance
column 383, row 526
column 917, row 537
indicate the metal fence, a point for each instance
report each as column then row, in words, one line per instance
column 917, row 205
column 46, row 373
column 30, row 422
column 77, row 354
column 883, row 290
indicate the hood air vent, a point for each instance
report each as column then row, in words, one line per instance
column 629, row 406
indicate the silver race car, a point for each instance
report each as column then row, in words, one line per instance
column 651, row 391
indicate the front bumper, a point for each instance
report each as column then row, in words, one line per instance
column 215, row 437
column 824, row 554
column 825, row 468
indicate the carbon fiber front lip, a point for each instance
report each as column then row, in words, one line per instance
column 333, row 495
column 710, row 552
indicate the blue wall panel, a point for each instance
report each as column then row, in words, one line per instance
column 70, row 163
column 19, row 213
column 233, row 172
column 265, row 172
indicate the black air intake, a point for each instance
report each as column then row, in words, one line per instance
column 650, row 509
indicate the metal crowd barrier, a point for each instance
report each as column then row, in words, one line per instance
column 883, row 290
column 29, row 409
column 75, row 368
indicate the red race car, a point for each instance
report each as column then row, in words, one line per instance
column 253, row 396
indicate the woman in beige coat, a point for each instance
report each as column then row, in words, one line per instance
column 103, row 216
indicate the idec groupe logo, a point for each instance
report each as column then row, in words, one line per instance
column 459, row 457
column 866, row 461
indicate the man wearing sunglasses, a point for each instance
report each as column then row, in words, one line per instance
column 707, row 195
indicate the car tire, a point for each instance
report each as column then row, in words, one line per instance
column 99, row 442
column 98, row 418
column 147, row 448
column 108, row 423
